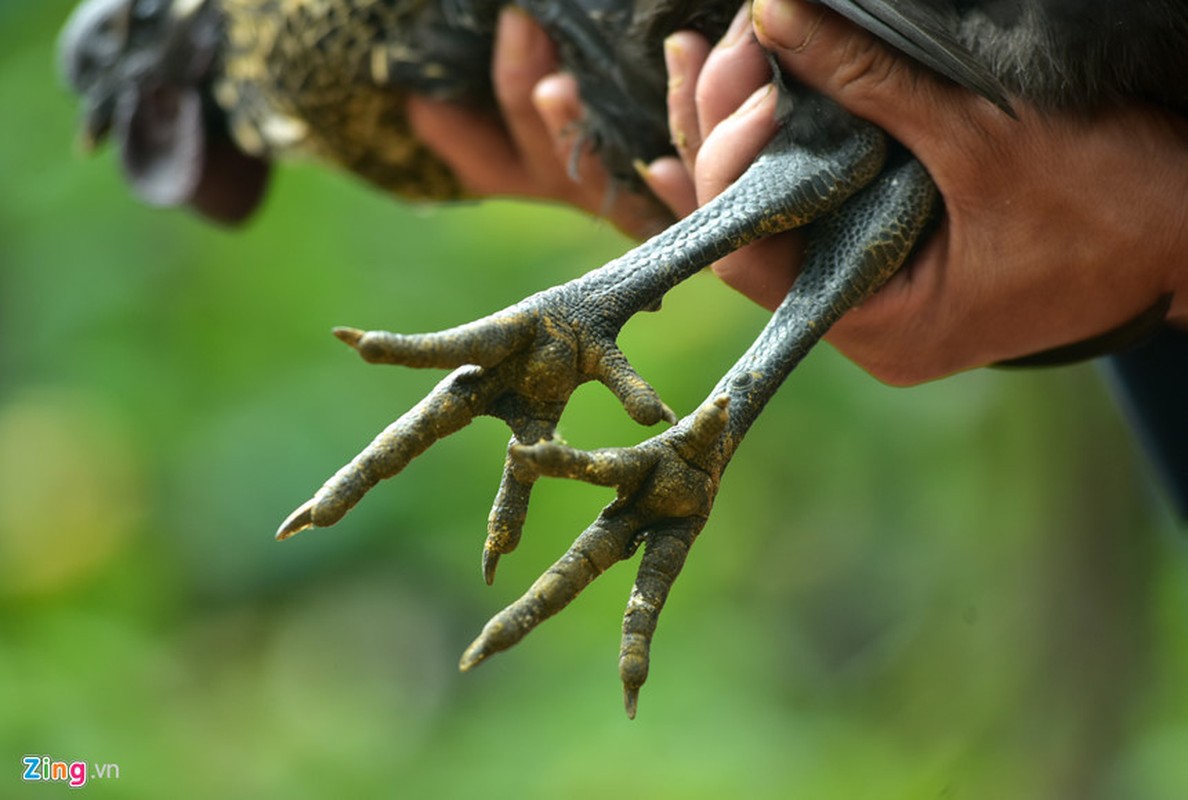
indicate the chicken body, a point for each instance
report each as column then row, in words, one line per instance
column 329, row 78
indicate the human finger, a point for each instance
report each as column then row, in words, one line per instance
column 735, row 68
column 826, row 52
column 522, row 57
column 685, row 53
column 474, row 145
column 672, row 183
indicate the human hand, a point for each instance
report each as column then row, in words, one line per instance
column 1057, row 226
column 530, row 151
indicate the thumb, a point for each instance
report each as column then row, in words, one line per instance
column 827, row 52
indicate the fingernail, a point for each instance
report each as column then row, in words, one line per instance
column 754, row 101
column 641, row 169
column 675, row 61
column 738, row 28
column 781, row 23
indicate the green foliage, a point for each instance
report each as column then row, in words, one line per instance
column 961, row 590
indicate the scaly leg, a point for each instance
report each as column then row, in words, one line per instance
column 523, row 363
column 667, row 484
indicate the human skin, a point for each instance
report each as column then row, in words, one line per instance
column 1057, row 226
column 529, row 152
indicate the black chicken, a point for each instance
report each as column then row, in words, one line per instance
column 200, row 94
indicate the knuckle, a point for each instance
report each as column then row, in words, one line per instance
column 866, row 66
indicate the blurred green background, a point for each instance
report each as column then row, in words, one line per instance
column 963, row 590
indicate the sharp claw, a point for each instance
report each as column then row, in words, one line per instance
column 490, row 562
column 669, row 415
column 350, row 336
column 506, row 520
column 648, row 410
column 474, row 655
column 630, row 701
column 299, row 520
